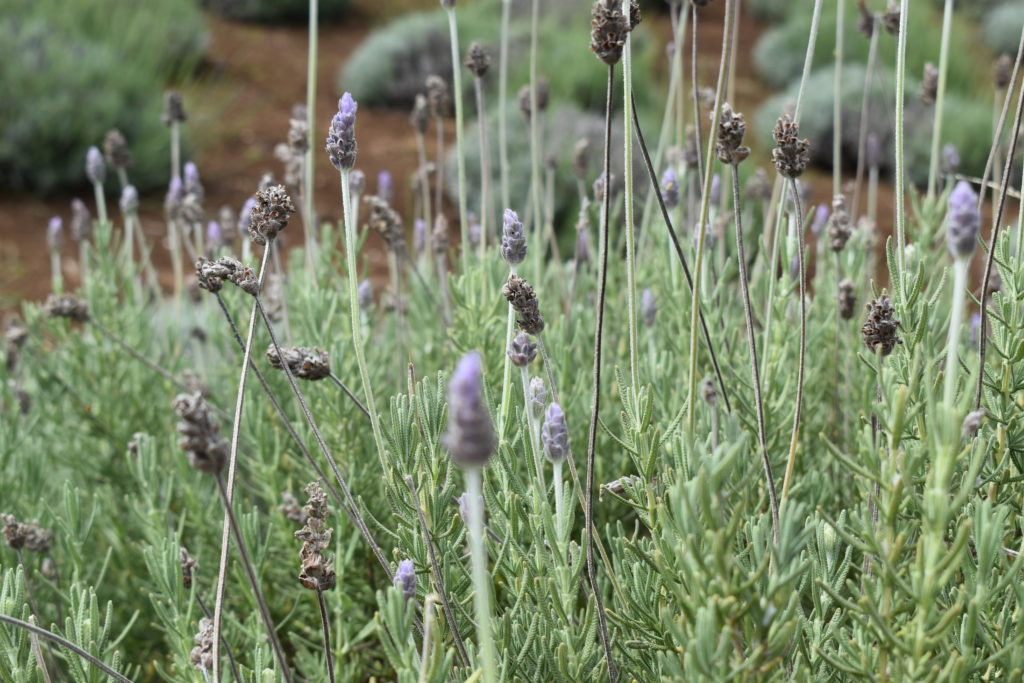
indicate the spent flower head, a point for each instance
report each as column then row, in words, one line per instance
column 609, row 29
column 116, row 152
column 201, row 439
column 478, row 60
column 790, row 154
column 311, row 364
column 269, row 214
column 523, row 299
column 731, row 129
column 317, row 572
column 66, row 306
column 29, row 536
column 881, row 327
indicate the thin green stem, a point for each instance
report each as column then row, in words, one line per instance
column 506, row 376
column 460, row 160
column 901, row 69
column 485, row 166
column 309, row 164
column 535, row 114
column 794, row 437
column 955, row 319
column 481, row 577
column 506, row 6
column 862, row 136
column 837, row 103
column 627, row 172
column 559, row 503
column 940, row 98
column 997, row 131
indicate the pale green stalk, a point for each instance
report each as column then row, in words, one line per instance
column 797, row 410
column 56, row 279
column 534, row 432
column 538, row 216
column 837, row 103
column 309, row 165
column 901, row 68
column 940, row 98
column 101, row 202
column 357, row 332
column 485, row 166
column 701, row 232
column 627, row 172
column 481, row 578
column 862, row 137
column 960, row 266
column 461, row 161
column 506, row 377
column 175, row 149
column 559, row 503
column 506, row 6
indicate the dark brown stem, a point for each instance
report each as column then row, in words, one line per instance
column 348, row 392
column 656, row 186
column 436, row 573
column 588, row 508
column 325, row 620
column 1002, row 122
column 996, row 224
column 63, row 642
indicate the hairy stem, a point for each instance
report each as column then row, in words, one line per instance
column 627, row 172
column 940, row 98
column 481, row 577
column 803, row 343
column 309, row 165
column 460, row 160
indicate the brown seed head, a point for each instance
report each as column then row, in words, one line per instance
column 317, row 569
column 188, row 567
column 846, row 299
column 929, row 84
column 891, row 18
column 438, row 96
column 790, row 154
column 609, row 29
column 731, row 129
column 386, row 222
column 28, row 536
column 881, row 327
column 66, row 306
column 839, row 225
column 270, row 214
column 201, row 439
column 311, row 364
column 478, row 61
column 115, row 149
column 866, row 23
column 523, row 299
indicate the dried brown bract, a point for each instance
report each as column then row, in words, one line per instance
column 731, row 129
column 311, row 364
column 270, row 214
column 790, row 154
column 317, row 569
column 29, row 536
column 523, row 299
column 66, row 306
column 881, row 327
column 201, row 439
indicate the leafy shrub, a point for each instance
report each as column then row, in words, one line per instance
column 81, row 68
column 389, row 67
column 1002, row 27
column 275, row 10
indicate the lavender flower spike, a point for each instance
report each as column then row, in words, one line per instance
column 385, row 187
column 716, row 190
column 419, row 235
column 820, row 219
column 55, row 233
column 648, row 307
column 962, row 220
column 365, row 295
column 470, row 437
column 341, row 136
column 95, row 166
column 513, row 239
column 555, row 434
column 405, row 579
column 670, row 188
column 521, row 350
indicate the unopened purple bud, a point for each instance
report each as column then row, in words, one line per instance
column 950, row 159
column 192, row 184
column 419, row 235
column 670, row 188
column 820, row 219
column 962, row 220
column 174, row 193
column 648, row 307
column 538, row 397
column 470, row 437
column 521, row 350
column 555, row 434
column 405, row 579
column 341, row 136
column 214, row 235
column 716, row 190
column 244, row 217
column 365, row 295
column 513, row 239
column 95, row 166
column 129, row 201
column 55, row 233
column 385, row 188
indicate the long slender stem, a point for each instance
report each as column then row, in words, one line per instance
column 481, row 577
column 460, row 161
column 940, row 98
column 993, row 242
column 485, row 166
column 325, row 620
column 348, row 392
column 701, row 231
column 588, row 507
column 955, row 318
column 901, row 68
column 229, row 491
column 537, row 219
column 674, row 238
column 63, row 642
column 996, row 134
column 837, row 103
column 424, row 183
column 309, row 165
column 534, row 429
column 755, row 370
column 803, row 342
column 627, row 172
column 697, row 118
column 254, row 586
column 101, row 202
column 506, row 376
column 559, row 502
column 862, row 136
column 506, row 6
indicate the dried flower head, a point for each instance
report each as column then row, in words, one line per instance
column 95, row 167
column 648, row 307
column 790, row 154
column 317, row 569
column 201, row 439
column 555, row 434
column 115, row 149
column 202, row 653
column 341, row 136
column 513, row 238
column 270, row 214
column 420, row 115
column 523, row 299
column 29, row 536
column 840, row 227
column 731, row 129
column 405, row 579
column 211, row 275
column 846, row 299
column 929, row 84
column 538, row 397
column 890, row 18
column 311, row 364
column 298, row 133
column 522, row 350
column 670, row 188
column 962, row 220
column 386, row 222
column 609, row 29
column 759, row 187
column 881, row 327
column 438, row 96
column 174, row 108
column 478, row 60
column 543, row 96
column 189, row 565
column 470, row 436
column 866, row 23
column 66, row 306
column 1002, row 70
column 291, row 509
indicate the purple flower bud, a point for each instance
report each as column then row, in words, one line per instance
column 820, row 219
column 172, row 200
column 244, row 217
column 214, row 235
column 341, row 136
column 365, row 295
column 670, row 188
column 405, row 579
column 55, row 233
column 555, row 434
column 385, row 188
column 470, row 437
column 129, row 201
column 962, row 220
column 419, row 235
column 521, row 350
column 81, row 220
column 357, row 181
column 95, row 166
column 950, row 159
column 648, row 307
column 716, row 190
column 192, row 184
column 513, row 239
column 538, row 397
